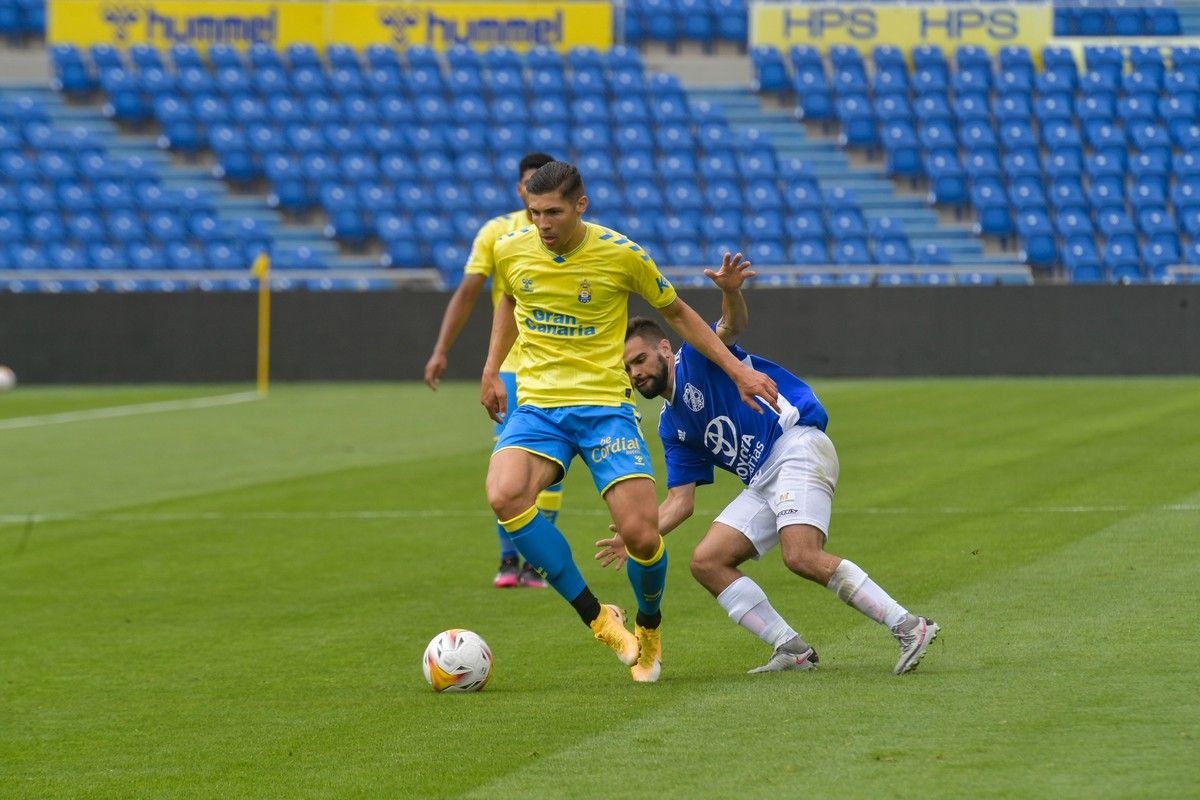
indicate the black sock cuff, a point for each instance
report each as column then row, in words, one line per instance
column 649, row 620
column 587, row 606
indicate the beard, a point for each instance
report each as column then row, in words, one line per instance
column 656, row 383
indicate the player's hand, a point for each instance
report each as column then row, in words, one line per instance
column 733, row 273
column 494, row 397
column 612, row 550
column 434, row 368
column 752, row 384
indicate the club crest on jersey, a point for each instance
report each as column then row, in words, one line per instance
column 526, row 284
column 682, row 436
column 693, row 397
column 585, row 292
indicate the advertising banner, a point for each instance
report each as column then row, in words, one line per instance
column 865, row 25
column 482, row 25
column 163, row 23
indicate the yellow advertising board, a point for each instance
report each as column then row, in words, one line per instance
column 482, row 25
column 162, row 23
column 865, row 25
column 168, row 22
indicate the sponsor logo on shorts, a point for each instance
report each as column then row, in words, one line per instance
column 613, row 445
column 693, row 397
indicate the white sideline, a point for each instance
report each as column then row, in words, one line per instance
column 397, row 514
column 126, row 411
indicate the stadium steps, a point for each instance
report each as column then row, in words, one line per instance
column 228, row 206
column 1189, row 19
column 875, row 191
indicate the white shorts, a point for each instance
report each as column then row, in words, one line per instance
column 794, row 486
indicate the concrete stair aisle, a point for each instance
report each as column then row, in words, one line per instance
column 1189, row 18
column 876, row 192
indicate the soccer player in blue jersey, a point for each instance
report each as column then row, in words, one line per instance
column 790, row 470
column 566, row 286
column 480, row 265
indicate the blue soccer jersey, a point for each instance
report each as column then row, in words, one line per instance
column 706, row 424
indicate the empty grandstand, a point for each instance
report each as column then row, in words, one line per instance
column 146, row 166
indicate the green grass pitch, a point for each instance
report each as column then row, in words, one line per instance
column 232, row 601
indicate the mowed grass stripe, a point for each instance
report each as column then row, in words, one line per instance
column 297, row 430
column 29, row 401
column 1065, row 677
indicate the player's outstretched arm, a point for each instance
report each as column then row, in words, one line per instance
column 735, row 316
column 751, row 384
column 492, row 393
column 678, row 505
column 458, row 311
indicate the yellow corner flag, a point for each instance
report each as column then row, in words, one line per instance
column 262, row 271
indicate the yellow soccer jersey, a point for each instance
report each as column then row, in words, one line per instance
column 572, row 311
column 482, row 261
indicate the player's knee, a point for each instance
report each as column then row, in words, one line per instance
column 805, row 562
column 506, row 499
column 705, row 564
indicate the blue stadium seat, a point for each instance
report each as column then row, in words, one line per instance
column 1082, row 261
column 1039, row 248
column 937, row 135
column 894, row 108
column 808, row 252
column 994, row 215
column 947, row 178
column 814, row 97
column 1113, row 223
column 934, row 108
column 1073, row 222
column 1013, row 108
column 893, row 251
column 851, row 252
column 767, row 252
column 858, row 122
column 902, row 151
column 805, row 225
column 1121, row 258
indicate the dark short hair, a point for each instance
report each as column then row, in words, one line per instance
column 649, row 330
column 532, row 161
column 557, row 176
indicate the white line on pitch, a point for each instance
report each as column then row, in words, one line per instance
column 127, row 411
column 397, row 514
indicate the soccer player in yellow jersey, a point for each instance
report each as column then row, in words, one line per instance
column 480, row 264
column 566, row 286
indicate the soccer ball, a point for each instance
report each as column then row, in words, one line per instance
column 457, row 661
column 8, row 379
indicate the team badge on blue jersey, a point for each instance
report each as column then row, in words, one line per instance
column 585, row 292
column 693, row 397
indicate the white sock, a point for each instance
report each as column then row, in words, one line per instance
column 747, row 605
column 855, row 589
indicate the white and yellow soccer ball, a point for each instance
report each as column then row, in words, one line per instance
column 457, row 660
column 8, row 379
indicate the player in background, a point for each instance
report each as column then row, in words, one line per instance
column 566, row 287
column 790, row 469
column 480, row 264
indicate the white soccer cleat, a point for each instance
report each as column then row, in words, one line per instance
column 794, row 654
column 914, row 636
